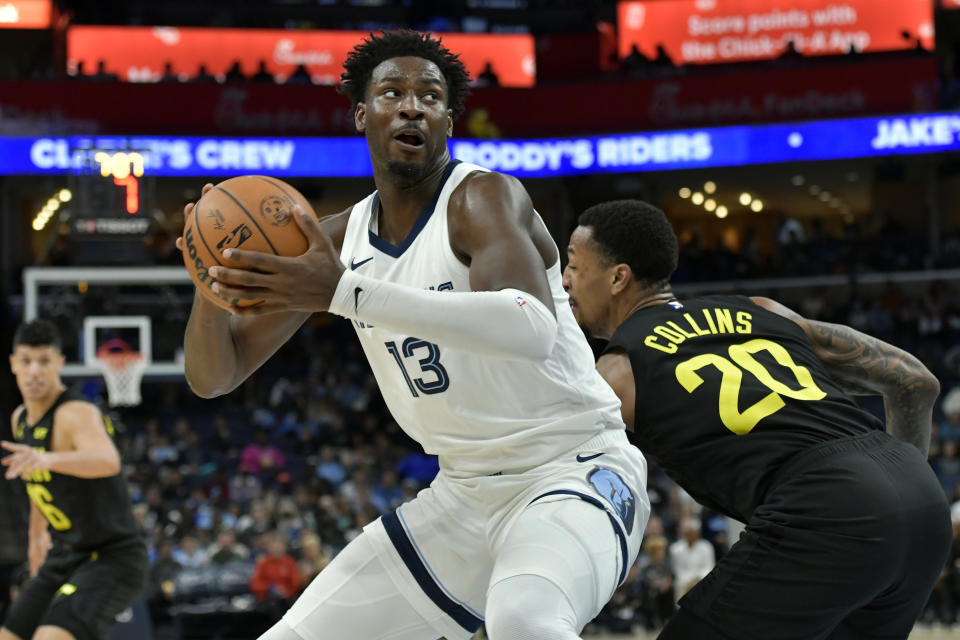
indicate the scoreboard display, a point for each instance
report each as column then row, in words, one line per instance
column 111, row 209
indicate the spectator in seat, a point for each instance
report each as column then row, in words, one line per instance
column 488, row 77
column 276, row 575
column 169, row 75
column 102, row 74
column 313, row 558
column 663, row 59
column 190, row 554
column 262, row 75
column 950, row 425
column 635, row 63
column 692, row 557
column 946, row 593
column 227, row 549
column 160, row 586
column 656, row 600
column 261, row 455
column 203, row 76
column 329, row 467
column 235, row 73
column 300, row 75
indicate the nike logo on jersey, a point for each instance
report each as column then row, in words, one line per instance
column 356, row 298
column 581, row 458
column 354, row 265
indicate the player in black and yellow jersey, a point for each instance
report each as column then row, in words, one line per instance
column 97, row 563
column 746, row 405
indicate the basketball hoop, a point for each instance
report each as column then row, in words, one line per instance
column 122, row 369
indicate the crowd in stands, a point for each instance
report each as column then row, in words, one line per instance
column 235, row 74
column 811, row 250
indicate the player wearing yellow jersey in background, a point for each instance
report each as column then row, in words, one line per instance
column 97, row 563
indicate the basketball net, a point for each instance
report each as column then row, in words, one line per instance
column 122, row 369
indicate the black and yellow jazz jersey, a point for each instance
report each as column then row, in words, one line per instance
column 726, row 391
column 84, row 514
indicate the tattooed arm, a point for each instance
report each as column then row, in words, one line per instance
column 863, row 365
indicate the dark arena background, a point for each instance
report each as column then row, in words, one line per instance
column 806, row 150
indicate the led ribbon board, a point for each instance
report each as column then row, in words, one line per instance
column 526, row 158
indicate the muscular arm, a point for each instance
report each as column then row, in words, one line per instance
column 221, row 350
column 863, row 365
column 81, row 445
column 508, row 313
column 615, row 368
column 493, row 225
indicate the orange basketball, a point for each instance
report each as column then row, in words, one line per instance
column 254, row 213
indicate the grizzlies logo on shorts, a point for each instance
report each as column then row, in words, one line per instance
column 616, row 492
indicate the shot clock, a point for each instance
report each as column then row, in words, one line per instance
column 110, row 217
column 126, row 169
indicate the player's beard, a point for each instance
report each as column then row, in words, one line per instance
column 407, row 172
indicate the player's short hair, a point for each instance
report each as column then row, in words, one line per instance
column 365, row 57
column 637, row 234
column 37, row 333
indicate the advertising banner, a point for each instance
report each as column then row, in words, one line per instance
column 525, row 158
column 713, row 31
column 139, row 54
column 25, row 14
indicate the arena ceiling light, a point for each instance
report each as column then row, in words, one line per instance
column 697, row 198
column 710, row 205
column 745, row 198
column 756, row 206
column 710, row 186
column 722, row 212
column 684, row 192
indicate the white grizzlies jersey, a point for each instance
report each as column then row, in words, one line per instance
column 479, row 414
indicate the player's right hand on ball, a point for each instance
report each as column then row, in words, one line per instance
column 283, row 283
column 188, row 209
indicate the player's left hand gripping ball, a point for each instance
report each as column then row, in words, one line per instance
column 302, row 283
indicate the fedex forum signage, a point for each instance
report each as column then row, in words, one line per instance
column 139, row 54
column 716, row 31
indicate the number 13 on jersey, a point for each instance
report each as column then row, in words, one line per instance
column 436, row 379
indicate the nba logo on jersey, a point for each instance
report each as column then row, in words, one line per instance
column 676, row 305
column 520, row 301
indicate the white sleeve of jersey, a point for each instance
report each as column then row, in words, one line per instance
column 507, row 323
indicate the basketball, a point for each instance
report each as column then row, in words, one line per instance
column 254, row 213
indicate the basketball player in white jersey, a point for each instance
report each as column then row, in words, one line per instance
column 453, row 285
